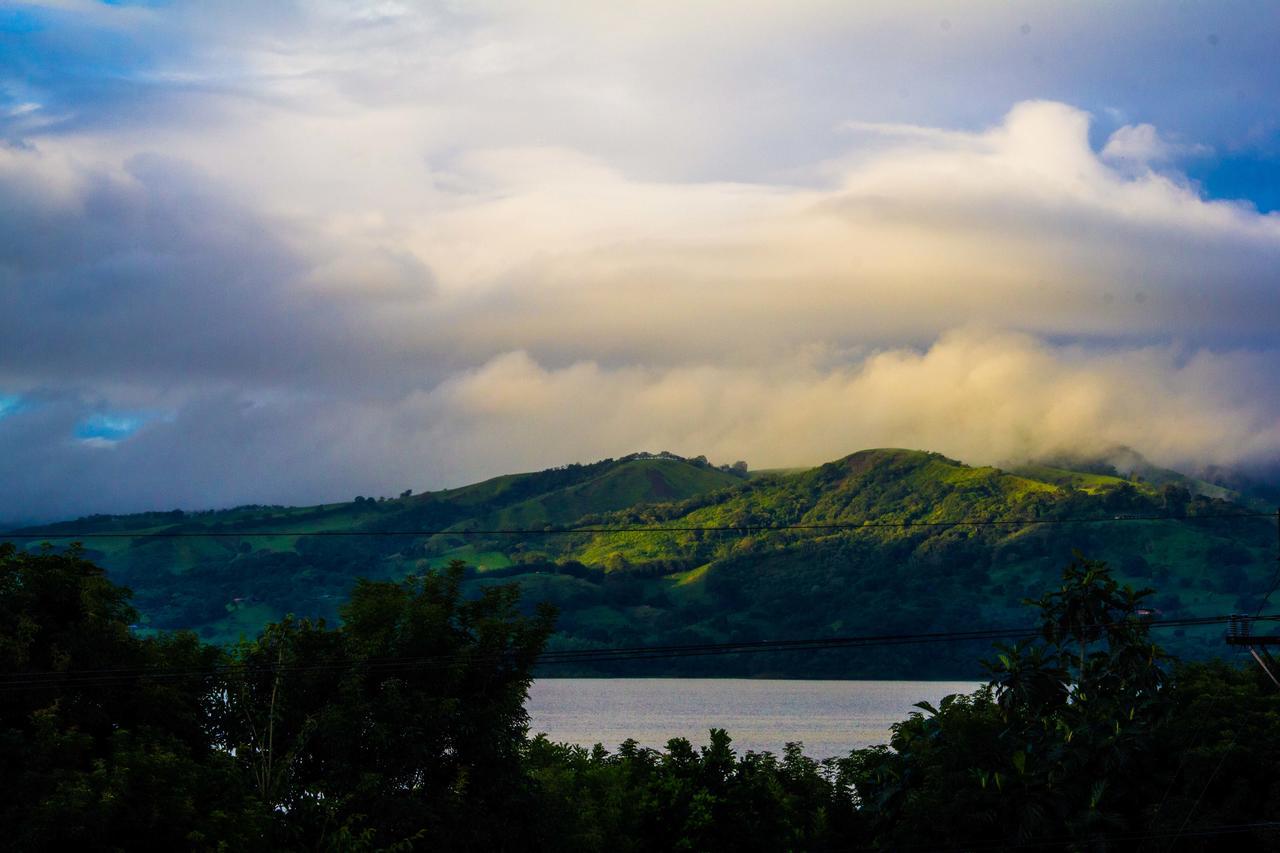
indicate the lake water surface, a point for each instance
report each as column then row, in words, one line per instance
column 829, row 717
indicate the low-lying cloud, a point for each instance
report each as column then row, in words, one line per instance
column 980, row 396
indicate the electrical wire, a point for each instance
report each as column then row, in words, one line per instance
column 573, row 531
column 108, row 677
column 1213, row 831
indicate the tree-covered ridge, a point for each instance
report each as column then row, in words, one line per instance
column 722, row 570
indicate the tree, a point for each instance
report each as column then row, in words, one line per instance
column 1058, row 744
column 104, row 739
column 407, row 722
column 706, row 799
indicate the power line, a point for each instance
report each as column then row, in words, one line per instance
column 107, row 677
column 571, row 531
column 1075, row 842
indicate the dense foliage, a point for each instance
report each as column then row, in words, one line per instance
column 404, row 728
column 405, row 723
column 95, row 760
column 683, row 798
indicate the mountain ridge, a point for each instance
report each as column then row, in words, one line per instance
column 772, row 580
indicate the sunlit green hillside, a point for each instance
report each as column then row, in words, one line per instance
column 879, row 542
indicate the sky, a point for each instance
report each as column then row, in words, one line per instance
column 293, row 252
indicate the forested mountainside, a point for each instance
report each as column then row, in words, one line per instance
column 878, row 542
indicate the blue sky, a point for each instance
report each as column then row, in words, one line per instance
column 9, row 404
column 331, row 247
column 114, row 426
column 1200, row 71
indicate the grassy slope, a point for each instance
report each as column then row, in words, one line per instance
column 632, row 483
column 880, row 485
column 1092, row 483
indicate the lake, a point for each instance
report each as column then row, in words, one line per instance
column 829, row 717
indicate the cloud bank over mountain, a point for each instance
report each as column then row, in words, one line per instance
column 298, row 255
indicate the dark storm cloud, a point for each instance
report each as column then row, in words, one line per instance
column 153, row 277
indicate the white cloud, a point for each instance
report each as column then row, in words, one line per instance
column 541, row 306
column 1022, row 225
column 1142, row 146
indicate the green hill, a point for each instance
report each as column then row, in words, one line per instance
column 223, row 586
column 561, row 496
column 1124, row 463
column 892, row 563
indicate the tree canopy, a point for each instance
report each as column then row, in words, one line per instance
column 403, row 727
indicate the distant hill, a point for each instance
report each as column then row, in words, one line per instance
column 706, row 583
column 562, row 495
column 1125, row 463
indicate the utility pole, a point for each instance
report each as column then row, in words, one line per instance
column 1240, row 633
